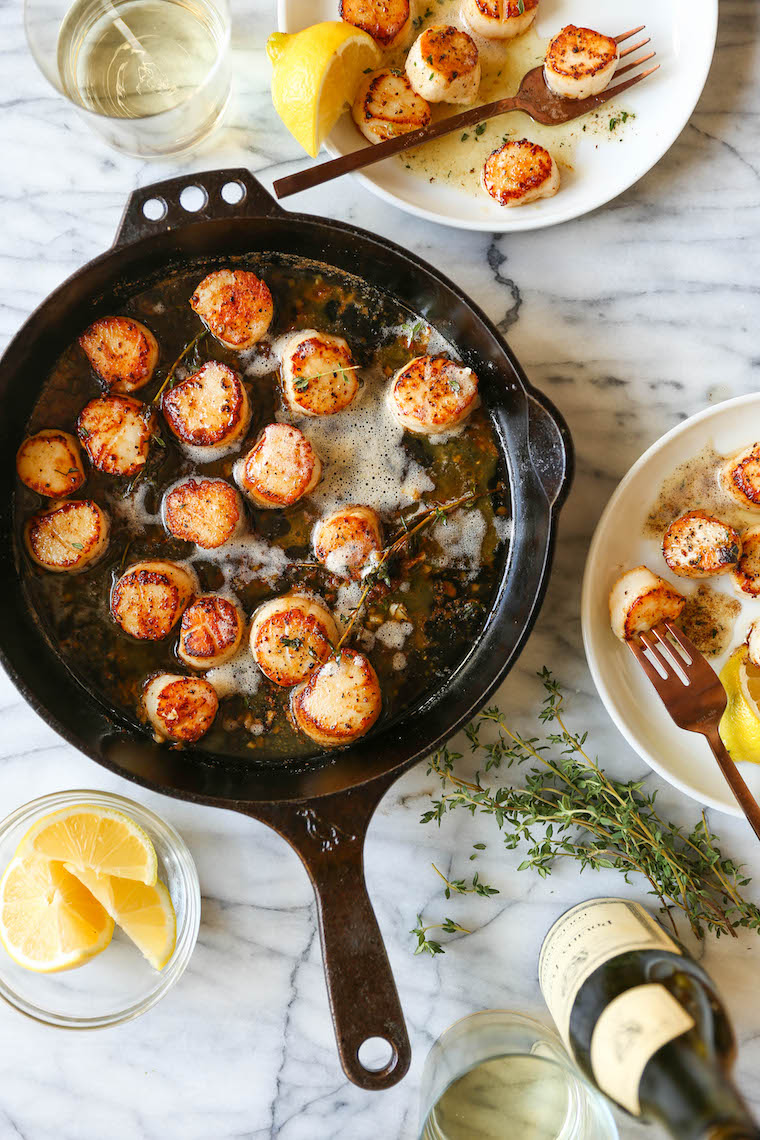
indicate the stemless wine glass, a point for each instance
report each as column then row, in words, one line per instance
column 497, row 1074
column 152, row 77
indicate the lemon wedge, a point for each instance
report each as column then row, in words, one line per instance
column 48, row 920
column 740, row 725
column 144, row 913
column 93, row 838
column 316, row 74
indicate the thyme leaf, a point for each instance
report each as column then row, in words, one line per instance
column 168, row 382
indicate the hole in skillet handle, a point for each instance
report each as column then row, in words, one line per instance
column 377, row 1056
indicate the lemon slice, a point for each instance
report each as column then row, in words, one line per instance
column 144, row 913
column 316, row 74
column 740, row 724
column 93, row 838
column 48, row 920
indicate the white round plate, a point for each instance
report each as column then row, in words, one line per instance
column 683, row 33
column 682, row 758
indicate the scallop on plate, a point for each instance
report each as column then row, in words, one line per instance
column 677, row 474
column 599, row 156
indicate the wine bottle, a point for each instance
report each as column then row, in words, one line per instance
column 643, row 1020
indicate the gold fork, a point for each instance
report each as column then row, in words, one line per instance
column 533, row 97
column 697, row 703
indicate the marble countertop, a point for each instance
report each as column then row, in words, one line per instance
column 630, row 319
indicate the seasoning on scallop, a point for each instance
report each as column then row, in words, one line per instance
column 49, row 462
column 148, row 600
column 208, row 512
column 746, row 574
column 318, row 374
column 432, row 394
column 210, row 632
column 291, row 636
column 346, row 540
column 235, row 305
column 116, row 433
column 698, row 545
column 122, row 351
column 639, row 600
column 386, row 106
column 520, row 172
column 443, row 65
column 389, row 22
column 280, row 468
column 209, row 408
column 580, row 62
column 68, row 536
column 180, row 709
column 740, row 476
column 499, row 19
column 340, row 701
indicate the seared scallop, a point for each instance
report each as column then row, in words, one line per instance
column 340, row 701
column 639, row 600
column 209, row 408
column 740, row 476
column 49, row 463
column 520, row 172
column 207, row 512
column 280, row 468
column 389, row 22
column 122, row 351
column 150, row 597
column 499, row 19
column 698, row 545
column 290, row 636
column 386, row 106
column 235, row 305
column 346, row 539
column 746, row 574
column 318, row 374
column 68, row 536
column 116, row 433
column 580, row 62
column 210, row 631
column 432, row 394
column 443, row 65
column 181, row 709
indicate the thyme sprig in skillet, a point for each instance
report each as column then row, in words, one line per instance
column 168, row 382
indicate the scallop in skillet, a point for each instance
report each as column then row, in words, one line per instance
column 207, row 512
column 318, row 374
column 149, row 598
column 122, row 351
column 339, row 702
column 49, row 462
column 210, row 632
column 740, row 476
column 746, row 574
column 180, row 709
column 389, row 22
column 280, row 468
column 209, row 408
column 346, row 540
column 68, row 536
column 386, row 106
column 235, row 305
column 639, row 600
column 432, row 394
column 116, row 433
column 499, row 19
column 520, row 172
column 698, row 545
column 290, row 636
column 443, row 65
column 580, row 62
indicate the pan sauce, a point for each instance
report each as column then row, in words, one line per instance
column 415, row 630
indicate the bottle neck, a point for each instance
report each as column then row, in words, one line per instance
column 731, row 1132
column 694, row 1098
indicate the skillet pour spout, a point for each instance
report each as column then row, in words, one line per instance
column 323, row 810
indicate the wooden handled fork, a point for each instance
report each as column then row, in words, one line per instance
column 689, row 688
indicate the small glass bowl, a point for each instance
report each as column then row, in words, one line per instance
column 117, row 984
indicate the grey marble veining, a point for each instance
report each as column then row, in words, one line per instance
column 630, row 319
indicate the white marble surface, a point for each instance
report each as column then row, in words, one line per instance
column 630, row 319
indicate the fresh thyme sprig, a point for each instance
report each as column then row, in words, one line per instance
column 427, row 945
column 460, row 887
column 170, row 374
column 303, row 381
column 567, row 807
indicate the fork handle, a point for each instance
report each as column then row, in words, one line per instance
column 735, row 781
column 366, row 156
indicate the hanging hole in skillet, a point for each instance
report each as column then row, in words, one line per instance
column 193, row 198
column 376, row 1055
column 233, row 193
column 154, row 209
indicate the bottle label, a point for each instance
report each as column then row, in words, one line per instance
column 583, row 940
column 628, row 1033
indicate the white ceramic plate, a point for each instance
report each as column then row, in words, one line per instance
column 683, row 758
column 682, row 31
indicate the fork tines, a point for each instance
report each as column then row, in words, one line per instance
column 612, row 91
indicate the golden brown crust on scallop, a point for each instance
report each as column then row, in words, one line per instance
column 598, row 51
column 699, row 545
column 340, row 702
column 319, row 378
column 49, row 463
column 210, row 631
column 280, row 468
column 204, row 511
column 746, row 573
column 122, row 351
column 68, row 536
column 740, row 476
column 183, row 708
column 148, row 599
column 235, row 305
column 516, row 169
column 209, row 408
column 450, row 51
column 432, row 394
column 384, row 20
column 504, row 9
column 115, row 432
column 346, row 539
column 288, row 645
column 387, row 106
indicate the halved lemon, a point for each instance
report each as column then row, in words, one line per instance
column 48, row 920
column 93, row 838
column 316, row 74
column 740, row 724
column 144, row 913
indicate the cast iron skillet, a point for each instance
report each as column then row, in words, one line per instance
column 323, row 811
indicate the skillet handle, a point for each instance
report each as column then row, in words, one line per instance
column 550, row 446
column 255, row 202
column 328, row 833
